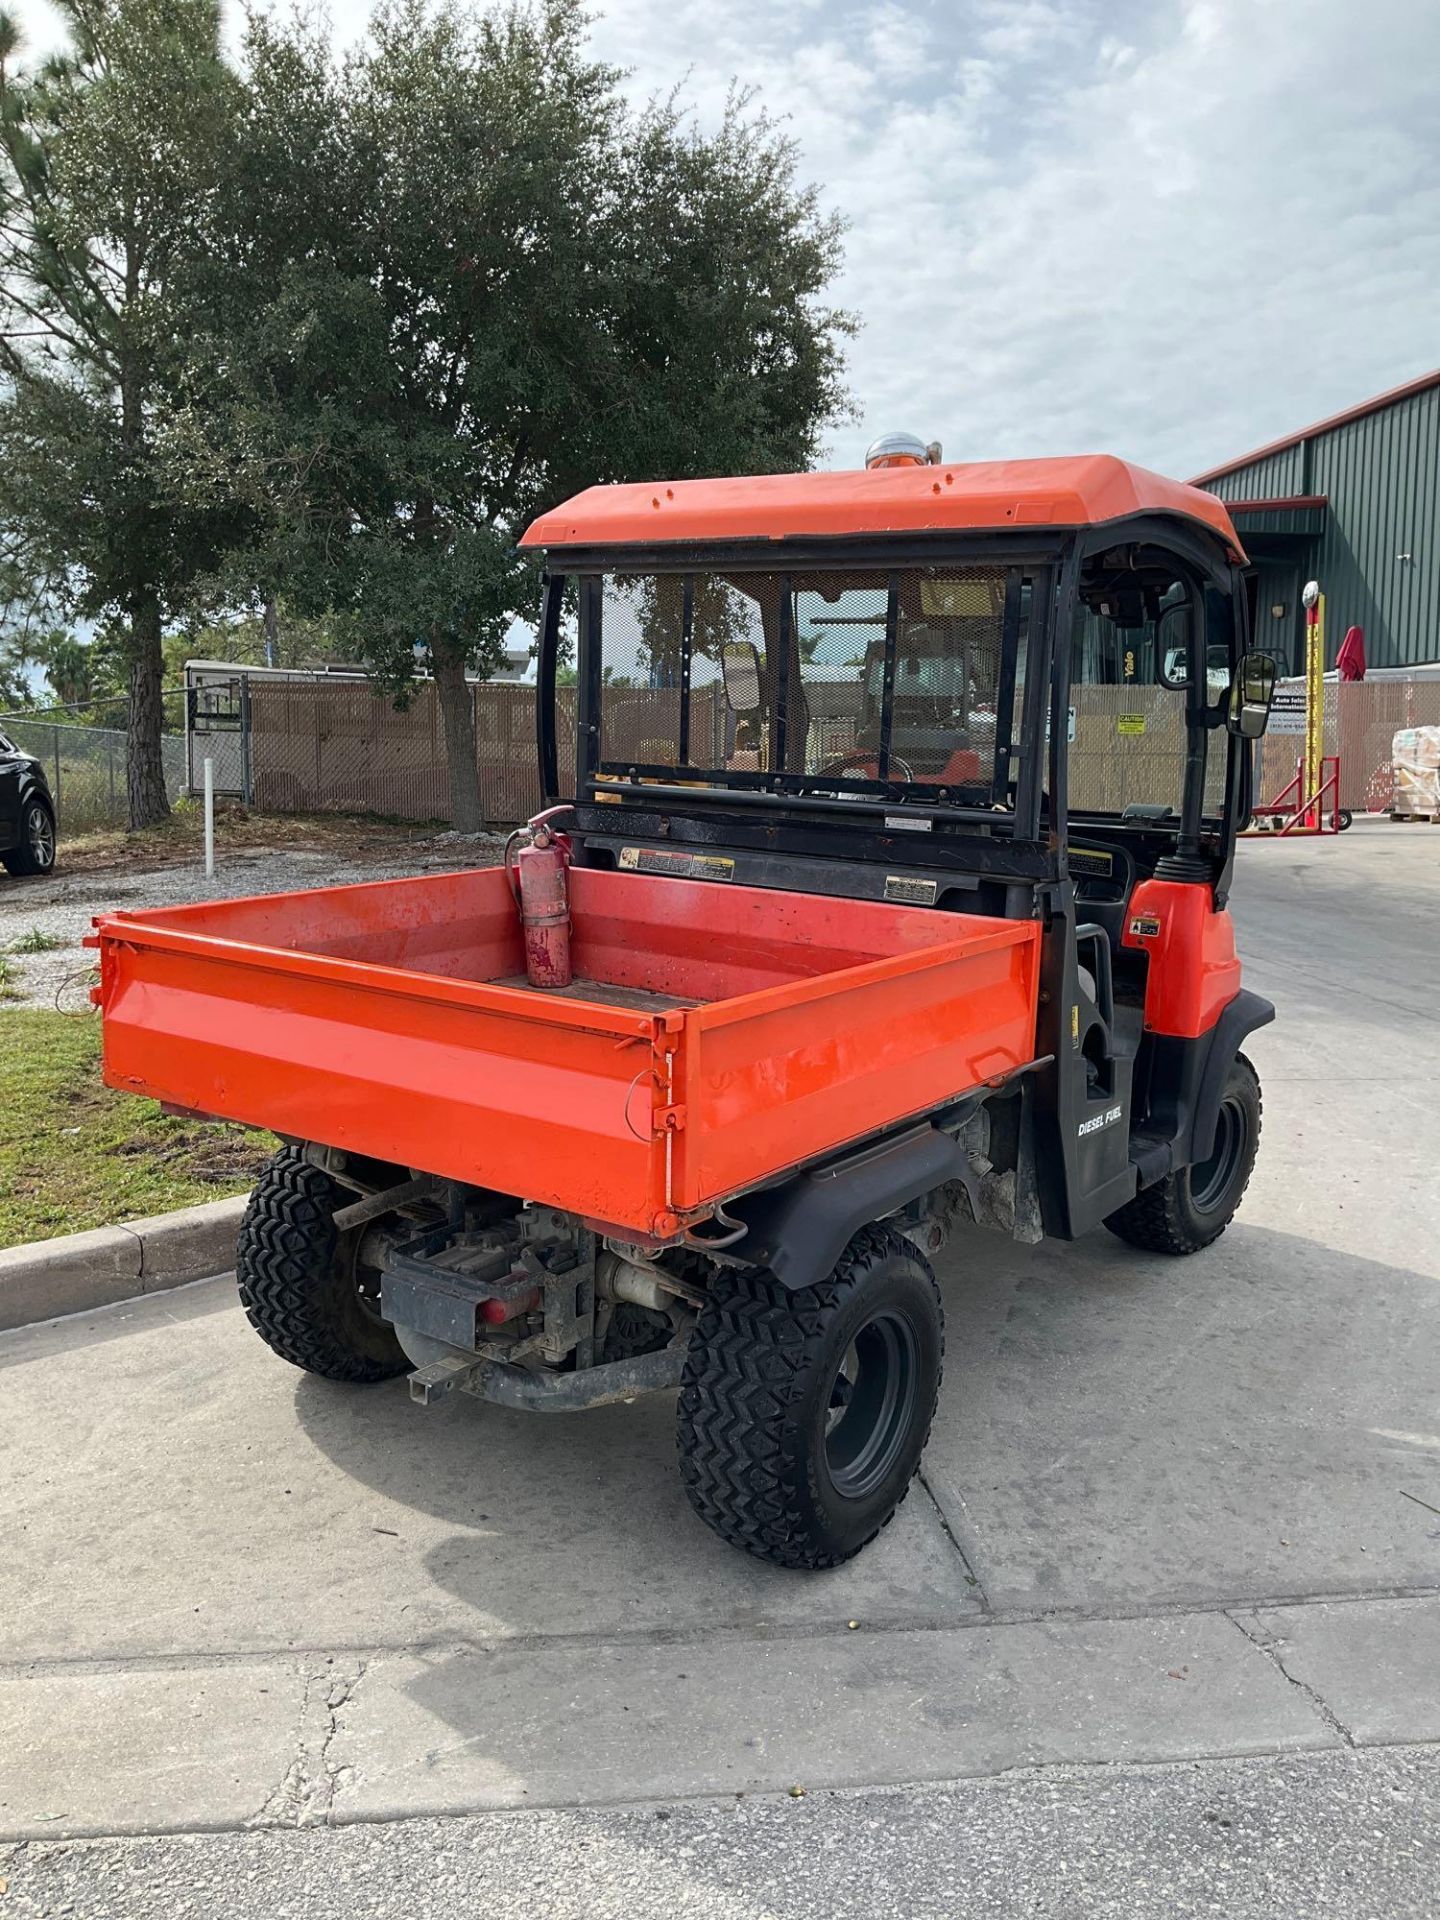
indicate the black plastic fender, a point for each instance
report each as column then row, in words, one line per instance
column 799, row 1229
column 1245, row 1013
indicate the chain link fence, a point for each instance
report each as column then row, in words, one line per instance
column 1362, row 718
column 86, row 765
column 332, row 743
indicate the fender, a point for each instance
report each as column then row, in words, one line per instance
column 799, row 1230
column 1238, row 1020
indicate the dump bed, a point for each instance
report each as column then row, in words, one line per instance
column 715, row 1036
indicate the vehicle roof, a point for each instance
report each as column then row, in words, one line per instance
column 984, row 495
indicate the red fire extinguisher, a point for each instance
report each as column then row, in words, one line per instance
column 539, row 882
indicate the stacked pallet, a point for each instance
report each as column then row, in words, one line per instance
column 1415, row 757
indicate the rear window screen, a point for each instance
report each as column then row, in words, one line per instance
column 843, row 679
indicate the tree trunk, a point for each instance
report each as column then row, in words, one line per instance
column 272, row 632
column 458, row 712
column 144, row 765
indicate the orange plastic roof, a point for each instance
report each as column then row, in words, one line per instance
column 985, row 495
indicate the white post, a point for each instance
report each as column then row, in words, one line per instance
column 209, row 817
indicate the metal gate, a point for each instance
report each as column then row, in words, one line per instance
column 217, row 727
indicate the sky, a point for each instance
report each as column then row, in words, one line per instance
column 1166, row 229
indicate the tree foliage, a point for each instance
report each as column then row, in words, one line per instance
column 330, row 330
column 490, row 282
column 109, row 153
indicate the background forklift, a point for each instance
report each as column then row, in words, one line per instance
column 776, row 1011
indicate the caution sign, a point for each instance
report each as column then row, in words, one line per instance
column 1130, row 723
column 681, row 866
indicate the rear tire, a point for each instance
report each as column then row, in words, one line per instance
column 803, row 1416
column 1193, row 1206
column 35, row 853
column 300, row 1284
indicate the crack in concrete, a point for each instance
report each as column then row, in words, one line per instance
column 332, row 1778
column 955, row 1522
column 1270, row 1645
column 305, row 1792
column 280, row 1806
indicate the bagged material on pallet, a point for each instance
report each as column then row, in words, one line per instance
column 1415, row 756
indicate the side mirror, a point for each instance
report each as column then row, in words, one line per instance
column 740, row 665
column 1172, row 646
column 1251, row 691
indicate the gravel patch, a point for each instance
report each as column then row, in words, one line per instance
column 1342, row 1836
column 63, row 907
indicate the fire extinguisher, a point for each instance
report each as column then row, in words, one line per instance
column 540, row 885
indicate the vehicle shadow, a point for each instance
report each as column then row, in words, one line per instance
column 1117, row 1427
column 1121, row 1431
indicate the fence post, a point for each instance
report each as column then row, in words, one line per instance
column 209, row 817
column 247, row 788
column 479, row 762
column 56, row 732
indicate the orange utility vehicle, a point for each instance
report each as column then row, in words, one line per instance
column 830, row 990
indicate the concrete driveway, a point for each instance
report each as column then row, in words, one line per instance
column 1177, row 1518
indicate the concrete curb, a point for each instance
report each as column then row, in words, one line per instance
column 83, row 1270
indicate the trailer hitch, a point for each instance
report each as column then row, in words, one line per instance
column 547, row 1392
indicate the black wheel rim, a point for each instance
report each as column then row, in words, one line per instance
column 871, row 1405
column 1210, row 1179
column 41, row 836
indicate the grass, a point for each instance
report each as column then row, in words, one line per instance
column 36, row 941
column 75, row 1154
column 8, row 983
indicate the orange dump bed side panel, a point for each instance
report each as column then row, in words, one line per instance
column 777, row 1079
column 370, row 1018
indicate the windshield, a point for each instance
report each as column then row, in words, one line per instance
column 838, row 680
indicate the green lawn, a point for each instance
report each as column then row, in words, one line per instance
column 76, row 1154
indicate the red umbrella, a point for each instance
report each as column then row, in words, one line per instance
column 1351, row 657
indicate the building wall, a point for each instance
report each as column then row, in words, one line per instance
column 1270, row 479
column 1381, row 475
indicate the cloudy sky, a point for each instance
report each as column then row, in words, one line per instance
column 1169, row 229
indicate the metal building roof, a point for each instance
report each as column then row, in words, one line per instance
column 1391, row 397
column 989, row 495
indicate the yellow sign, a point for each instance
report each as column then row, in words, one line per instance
column 980, row 597
column 1130, row 723
column 690, row 866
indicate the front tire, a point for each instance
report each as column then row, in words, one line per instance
column 35, row 853
column 1193, row 1206
column 803, row 1416
column 301, row 1283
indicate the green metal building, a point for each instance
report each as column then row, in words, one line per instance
column 1353, row 502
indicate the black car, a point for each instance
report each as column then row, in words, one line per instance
column 27, row 812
